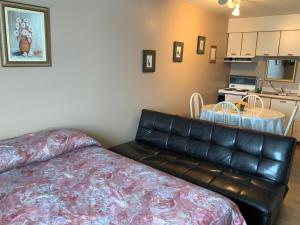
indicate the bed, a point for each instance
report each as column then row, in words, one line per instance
column 65, row 177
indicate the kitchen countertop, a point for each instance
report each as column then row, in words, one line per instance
column 292, row 96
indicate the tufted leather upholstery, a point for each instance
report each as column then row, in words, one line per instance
column 249, row 167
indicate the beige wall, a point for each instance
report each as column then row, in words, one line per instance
column 96, row 83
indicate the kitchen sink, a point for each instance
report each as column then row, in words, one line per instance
column 270, row 93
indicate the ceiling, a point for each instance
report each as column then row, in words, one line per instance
column 252, row 8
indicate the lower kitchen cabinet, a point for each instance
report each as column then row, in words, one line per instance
column 286, row 107
column 267, row 102
column 296, row 127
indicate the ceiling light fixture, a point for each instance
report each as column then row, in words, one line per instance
column 236, row 11
column 231, row 4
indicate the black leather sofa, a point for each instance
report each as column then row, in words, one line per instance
column 250, row 168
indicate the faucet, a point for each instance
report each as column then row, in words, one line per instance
column 279, row 92
column 284, row 92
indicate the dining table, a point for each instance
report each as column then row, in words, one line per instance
column 260, row 119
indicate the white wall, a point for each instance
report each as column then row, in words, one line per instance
column 267, row 23
column 96, row 83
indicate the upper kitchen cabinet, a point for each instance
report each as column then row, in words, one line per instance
column 268, row 43
column 234, row 44
column 289, row 43
column 249, row 44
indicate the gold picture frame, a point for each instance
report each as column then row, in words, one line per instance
column 25, row 35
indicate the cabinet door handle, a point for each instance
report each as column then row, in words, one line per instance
column 266, row 54
column 283, row 101
column 233, row 53
column 248, row 54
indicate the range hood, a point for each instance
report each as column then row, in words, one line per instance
column 240, row 59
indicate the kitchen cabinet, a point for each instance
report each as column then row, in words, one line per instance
column 249, row 44
column 284, row 106
column 266, row 101
column 297, row 118
column 289, row 43
column 268, row 43
column 296, row 130
column 296, row 126
column 265, row 43
column 234, row 44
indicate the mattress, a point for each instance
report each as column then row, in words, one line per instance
column 66, row 177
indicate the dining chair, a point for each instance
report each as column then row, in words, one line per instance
column 252, row 100
column 196, row 104
column 227, row 113
column 292, row 118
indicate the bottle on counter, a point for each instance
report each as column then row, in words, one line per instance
column 258, row 88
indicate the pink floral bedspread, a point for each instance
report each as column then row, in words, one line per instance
column 93, row 186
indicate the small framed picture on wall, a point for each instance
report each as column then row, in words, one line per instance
column 178, row 51
column 149, row 58
column 213, row 54
column 201, row 45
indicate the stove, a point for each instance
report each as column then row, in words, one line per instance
column 239, row 86
column 234, row 91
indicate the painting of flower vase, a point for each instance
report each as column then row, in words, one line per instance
column 25, row 35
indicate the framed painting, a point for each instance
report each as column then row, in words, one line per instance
column 178, row 51
column 149, row 58
column 213, row 54
column 25, row 35
column 201, row 45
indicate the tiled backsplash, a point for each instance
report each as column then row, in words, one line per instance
column 259, row 69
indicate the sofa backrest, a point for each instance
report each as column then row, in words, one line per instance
column 261, row 154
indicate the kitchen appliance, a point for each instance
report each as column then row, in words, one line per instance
column 239, row 87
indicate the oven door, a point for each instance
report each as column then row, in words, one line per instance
column 233, row 98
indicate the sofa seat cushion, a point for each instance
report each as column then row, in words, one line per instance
column 260, row 193
column 170, row 162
